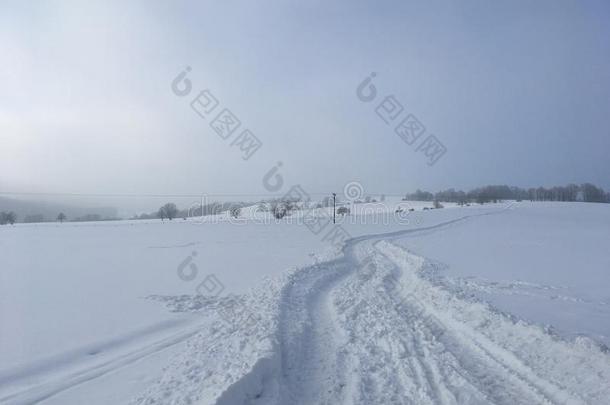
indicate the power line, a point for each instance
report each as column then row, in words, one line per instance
column 60, row 194
column 143, row 195
column 137, row 195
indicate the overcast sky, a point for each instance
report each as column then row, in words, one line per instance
column 517, row 91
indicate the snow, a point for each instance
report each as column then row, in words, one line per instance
column 501, row 303
column 544, row 262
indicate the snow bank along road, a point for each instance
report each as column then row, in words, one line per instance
column 375, row 326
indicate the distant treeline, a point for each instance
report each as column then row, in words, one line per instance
column 196, row 210
column 11, row 217
column 586, row 192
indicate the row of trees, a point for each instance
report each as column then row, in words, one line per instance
column 586, row 192
column 170, row 211
column 7, row 218
column 11, row 218
column 281, row 207
column 278, row 207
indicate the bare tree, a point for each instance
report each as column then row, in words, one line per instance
column 169, row 211
column 235, row 212
column 11, row 217
column 280, row 208
column 343, row 211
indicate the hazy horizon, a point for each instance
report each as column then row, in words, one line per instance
column 132, row 204
column 518, row 93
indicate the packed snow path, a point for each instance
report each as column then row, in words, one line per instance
column 371, row 328
column 357, row 338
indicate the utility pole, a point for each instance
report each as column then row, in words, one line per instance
column 334, row 205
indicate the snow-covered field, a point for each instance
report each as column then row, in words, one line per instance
column 502, row 303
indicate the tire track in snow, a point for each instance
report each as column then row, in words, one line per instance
column 310, row 341
column 83, row 374
column 311, row 348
